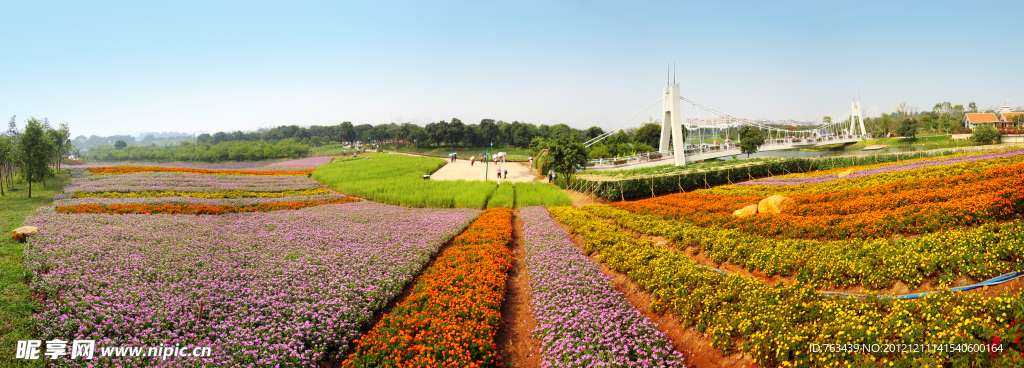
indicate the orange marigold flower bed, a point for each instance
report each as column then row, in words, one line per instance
column 193, row 209
column 450, row 317
column 115, row 170
column 915, row 207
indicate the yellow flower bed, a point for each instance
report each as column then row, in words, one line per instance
column 222, row 194
column 778, row 324
column 980, row 253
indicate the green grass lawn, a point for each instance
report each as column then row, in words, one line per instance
column 16, row 307
column 398, row 179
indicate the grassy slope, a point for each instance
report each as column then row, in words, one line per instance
column 16, row 308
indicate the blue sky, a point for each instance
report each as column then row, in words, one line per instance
column 107, row 67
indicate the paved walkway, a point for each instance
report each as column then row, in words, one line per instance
column 517, row 172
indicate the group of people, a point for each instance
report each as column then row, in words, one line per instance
column 500, row 170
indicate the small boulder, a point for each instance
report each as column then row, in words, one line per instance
column 746, row 211
column 776, row 204
column 845, row 173
column 21, row 233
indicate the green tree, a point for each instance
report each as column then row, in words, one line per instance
column 616, row 139
column 594, row 131
column 985, row 134
column 120, row 144
column 348, row 133
column 61, row 139
column 5, row 159
column 886, row 124
column 34, row 148
column 751, row 139
column 567, row 155
column 908, row 128
column 649, row 134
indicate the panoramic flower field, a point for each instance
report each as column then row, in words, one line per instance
column 268, row 267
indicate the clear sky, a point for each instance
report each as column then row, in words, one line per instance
column 188, row 66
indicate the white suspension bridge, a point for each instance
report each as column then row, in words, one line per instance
column 848, row 128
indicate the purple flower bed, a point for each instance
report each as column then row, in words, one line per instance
column 583, row 321
column 249, row 165
column 66, row 201
column 261, row 289
column 159, row 181
column 300, row 164
column 887, row 169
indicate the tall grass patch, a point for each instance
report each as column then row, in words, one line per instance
column 540, row 194
column 398, row 179
column 503, row 196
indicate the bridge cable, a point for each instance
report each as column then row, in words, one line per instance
column 607, row 134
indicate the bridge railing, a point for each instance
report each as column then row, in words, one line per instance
column 700, row 149
column 624, row 160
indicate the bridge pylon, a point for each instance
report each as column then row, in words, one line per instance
column 672, row 125
column 857, row 117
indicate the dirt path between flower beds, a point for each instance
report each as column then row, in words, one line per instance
column 330, row 362
column 515, row 343
column 581, row 199
column 696, row 347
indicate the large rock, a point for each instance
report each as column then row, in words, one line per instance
column 845, row 173
column 776, row 204
column 21, row 233
column 746, row 211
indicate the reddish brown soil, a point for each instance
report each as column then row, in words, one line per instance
column 514, row 340
column 696, row 347
column 582, row 199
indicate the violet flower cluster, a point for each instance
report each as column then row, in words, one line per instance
column 262, row 289
column 886, row 169
column 300, row 164
column 187, row 182
column 583, row 321
column 66, row 200
column 249, row 165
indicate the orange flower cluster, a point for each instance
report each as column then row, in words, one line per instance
column 193, row 209
column 915, row 207
column 115, row 170
column 450, row 317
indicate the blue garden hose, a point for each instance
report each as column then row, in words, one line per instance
column 990, row 282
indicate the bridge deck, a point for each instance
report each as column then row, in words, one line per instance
column 716, row 153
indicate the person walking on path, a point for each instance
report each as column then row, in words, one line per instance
column 551, row 177
column 472, row 159
column 499, row 173
column 506, row 172
column 531, row 162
